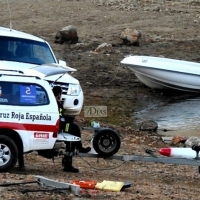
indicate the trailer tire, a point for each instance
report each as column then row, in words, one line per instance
column 8, row 153
column 106, row 142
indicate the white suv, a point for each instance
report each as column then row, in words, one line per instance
column 21, row 51
column 29, row 118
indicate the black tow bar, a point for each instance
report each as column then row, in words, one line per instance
column 20, row 183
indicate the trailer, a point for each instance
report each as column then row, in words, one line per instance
column 106, row 143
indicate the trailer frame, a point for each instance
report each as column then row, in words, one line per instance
column 151, row 158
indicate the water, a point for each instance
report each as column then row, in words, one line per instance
column 181, row 117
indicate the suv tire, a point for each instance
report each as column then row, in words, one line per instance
column 8, row 153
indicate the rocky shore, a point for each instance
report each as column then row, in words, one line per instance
column 170, row 29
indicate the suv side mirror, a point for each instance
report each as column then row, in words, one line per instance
column 62, row 63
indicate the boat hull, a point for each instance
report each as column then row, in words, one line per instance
column 162, row 77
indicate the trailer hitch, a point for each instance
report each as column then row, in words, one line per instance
column 150, row 152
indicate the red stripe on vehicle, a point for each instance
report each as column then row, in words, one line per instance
column 28, row 127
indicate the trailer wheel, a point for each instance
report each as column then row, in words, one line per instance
column 106, row 142
column 8, row 153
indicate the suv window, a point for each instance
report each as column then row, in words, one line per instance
column 23, row 94
column 24, row 50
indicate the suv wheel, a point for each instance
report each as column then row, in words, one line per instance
column 8, row 153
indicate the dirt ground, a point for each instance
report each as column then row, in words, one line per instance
column 169, row 28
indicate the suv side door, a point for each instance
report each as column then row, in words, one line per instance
column 27, row 109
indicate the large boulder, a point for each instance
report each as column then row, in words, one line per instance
column 178, row 141
column 68, row 34
column 148, row 125
column 131, row 36
column 192, row 141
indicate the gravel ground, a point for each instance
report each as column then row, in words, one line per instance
column 169, row 28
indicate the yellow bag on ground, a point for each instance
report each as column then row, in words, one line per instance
column 109, row 186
